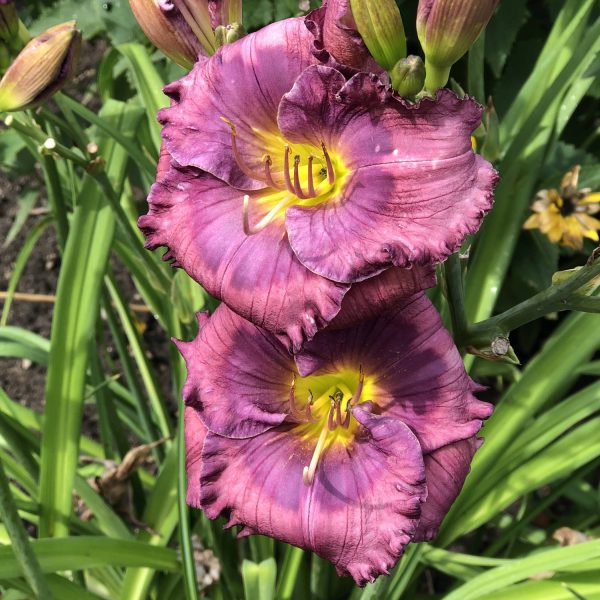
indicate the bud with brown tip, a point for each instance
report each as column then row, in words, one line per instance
column 42, row 68
column 446, row 30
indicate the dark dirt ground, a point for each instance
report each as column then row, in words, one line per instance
column 21, row 380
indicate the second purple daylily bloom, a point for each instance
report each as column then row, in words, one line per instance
column 283, row 184
column 352, row 450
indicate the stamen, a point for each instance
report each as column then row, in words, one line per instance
column 293, row 408
column 330, row 171
column 346, row 422
column 309, row 404
column 338, row 413
column 268, row 176
column 267, row 219
column 286, row 170
column 331, row 417
column 311, row 182
column 297, row 186
column 361, row 380
column 308, row 474
column 236, row 154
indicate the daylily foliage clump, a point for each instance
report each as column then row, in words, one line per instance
column 325, row 404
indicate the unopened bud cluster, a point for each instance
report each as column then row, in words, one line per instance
column 446, row 30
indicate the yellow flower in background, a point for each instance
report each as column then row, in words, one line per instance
column 565, row 215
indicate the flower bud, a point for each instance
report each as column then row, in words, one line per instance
column 46, row 63
column 9, row 20
column 170, row 29
column 199, row 17
column 408, row 76
column 380, row 26
column 447, row 29
column 227, row 34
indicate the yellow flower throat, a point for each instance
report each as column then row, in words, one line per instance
column 293, row 175
column 323, row 406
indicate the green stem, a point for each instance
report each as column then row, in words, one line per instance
column 572, row 344
column 563, row 296
column 185, row 540
column 39, row 136
column 131, row 233
column 455, row 294
column 80, row 137
column 56, row 200
column 133, row 150
column 435, row 77
column 20, row 542
column 289, row 572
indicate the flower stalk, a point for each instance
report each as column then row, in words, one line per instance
column 455, row 293
column 567, row 295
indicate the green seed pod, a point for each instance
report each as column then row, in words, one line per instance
column 380, row 25
column 408, row 76
column 41, row 68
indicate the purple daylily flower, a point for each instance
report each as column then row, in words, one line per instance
column 282, row 187
column 352, row 449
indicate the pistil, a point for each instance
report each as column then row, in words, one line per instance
column 308, row 474
column 268, row 218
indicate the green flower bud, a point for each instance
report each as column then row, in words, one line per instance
column 175, row 33
column 42, row 68
column 9, row 20
column 408, row 76
column 220, row 36
column 380, row 26
column 446, row 30
column 227, row 34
